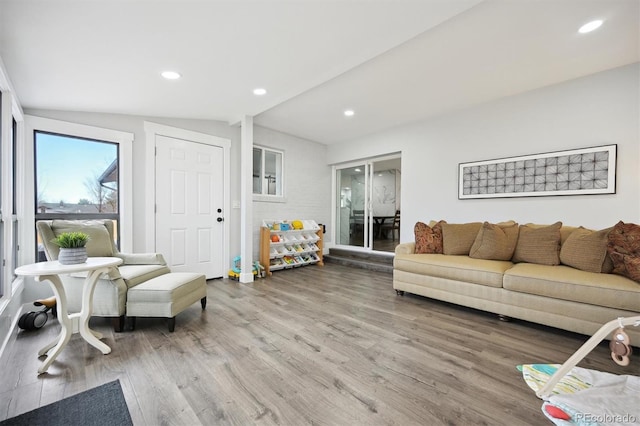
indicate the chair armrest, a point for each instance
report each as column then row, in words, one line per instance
column 142, row 258
column 406, row 248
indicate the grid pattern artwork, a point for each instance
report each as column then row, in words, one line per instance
column 583, row 171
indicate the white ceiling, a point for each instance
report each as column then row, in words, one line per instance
column 392, row 61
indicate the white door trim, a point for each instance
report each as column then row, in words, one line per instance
column 151, row 131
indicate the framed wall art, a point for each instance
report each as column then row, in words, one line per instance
column 573, row 172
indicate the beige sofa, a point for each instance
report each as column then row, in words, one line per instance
column 558, row 295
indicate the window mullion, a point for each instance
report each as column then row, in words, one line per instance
column 264, row 189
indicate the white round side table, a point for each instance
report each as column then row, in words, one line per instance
column 74, row 322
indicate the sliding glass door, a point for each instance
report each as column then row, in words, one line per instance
column 351, row 215
column 367, row 203
column 385, row 203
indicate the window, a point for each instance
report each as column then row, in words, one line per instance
column 11, row 151
column 8, row 191
column 14, row 213
column 2, row 262
column 267, row 172
column 75, row 178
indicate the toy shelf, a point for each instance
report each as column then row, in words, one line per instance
column 283, row 246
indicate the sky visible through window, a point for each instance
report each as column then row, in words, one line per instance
column 65, row 164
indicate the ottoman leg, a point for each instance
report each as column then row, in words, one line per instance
column 132, row 323
column 118, row 323
column 203, row 302
column 172, row 324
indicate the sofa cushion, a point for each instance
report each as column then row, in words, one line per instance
column 624, row 249
column 567, row 283
column 586, row 250
column 495, row 242
column 458, row 268
column 428, row 239
column 539, row 245
column 458, row 238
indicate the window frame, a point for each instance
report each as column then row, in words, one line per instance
column 124, row 140
column 15, row 225
column 262, row 196
column 3, row 149
column 11, row 126
column 115, row 216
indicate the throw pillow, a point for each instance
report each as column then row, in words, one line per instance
column 458, row 238
column 624, row 249
column 587, row 250
column 428, row 239
column 99, row 244
column 539, row 245
column 495, row 242
column 632, row 267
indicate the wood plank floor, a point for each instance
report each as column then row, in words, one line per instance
column 316, row 345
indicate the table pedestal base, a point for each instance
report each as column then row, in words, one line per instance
column 72, row 323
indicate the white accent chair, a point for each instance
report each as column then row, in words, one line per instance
column 110, row 296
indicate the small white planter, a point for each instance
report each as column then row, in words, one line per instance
column 72, row 256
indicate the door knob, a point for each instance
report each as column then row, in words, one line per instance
column 220, row 219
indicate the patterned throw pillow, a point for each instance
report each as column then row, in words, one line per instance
column 428, row 239
column 624, row 250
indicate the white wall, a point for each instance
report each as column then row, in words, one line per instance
column 307, row 182
column 596, row 110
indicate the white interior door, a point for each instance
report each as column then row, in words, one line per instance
column 190, row 205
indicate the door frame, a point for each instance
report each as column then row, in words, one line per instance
column 368, row 204
column 151, row 131
column 334, row 204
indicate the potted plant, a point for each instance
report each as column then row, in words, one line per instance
column 73, row 248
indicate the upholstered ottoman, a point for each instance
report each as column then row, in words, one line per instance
column 166, row 296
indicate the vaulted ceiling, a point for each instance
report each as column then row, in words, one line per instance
column 390, row 61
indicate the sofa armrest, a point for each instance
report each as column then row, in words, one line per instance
column 406, row 248
column 142, row 258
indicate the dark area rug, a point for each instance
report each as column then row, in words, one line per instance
column 100, row 406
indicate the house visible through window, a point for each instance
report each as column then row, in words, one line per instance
column 267, row 171
column 75, row 178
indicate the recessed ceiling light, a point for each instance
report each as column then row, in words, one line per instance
column 357, row 170
column 349, row 113
column 171, row 75
column 590, row 26
column 259, row 91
